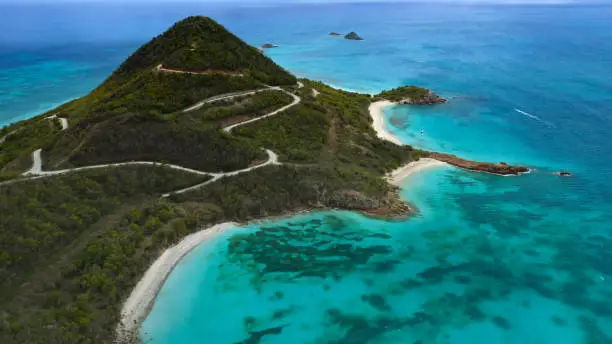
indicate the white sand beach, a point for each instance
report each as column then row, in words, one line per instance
column 141, row 300
column 398, row 175
column 378, row 116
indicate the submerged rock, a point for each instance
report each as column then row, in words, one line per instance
column 335, row 34
column 353, row 36
column 268, row 46
column 501, row 322
column 563, row 174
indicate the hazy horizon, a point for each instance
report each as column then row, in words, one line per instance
column 258, row 2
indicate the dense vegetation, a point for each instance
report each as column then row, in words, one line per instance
column 50, row 213
column 277, row 190
column 399, row 93
column 77, row 298
column 193, row 44
column 298, row 134
column 190, row 139
column 156, row 93
column 200, row 43
column 239, row 109
column 24, row 138
column 133, row 138
column 73, row 246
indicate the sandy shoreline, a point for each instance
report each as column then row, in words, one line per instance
column 378, row 116
column 141, row 300
column 398, row 175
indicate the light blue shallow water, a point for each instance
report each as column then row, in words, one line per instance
column 489, row 260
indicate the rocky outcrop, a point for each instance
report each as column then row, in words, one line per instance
column 353, row 36
column 351, row 199
column 428, row 99
column 335, row 34
column 501, row 169
column 391, row 206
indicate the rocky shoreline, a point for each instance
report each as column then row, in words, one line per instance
column 428, row 99
column 502, row 168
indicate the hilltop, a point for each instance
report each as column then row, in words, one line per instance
column 195, row 128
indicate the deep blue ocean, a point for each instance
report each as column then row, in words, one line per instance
column 491, row 260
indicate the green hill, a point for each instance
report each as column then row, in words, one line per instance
column 123, row 119
column 196, row 44
column 200, row 43
column 73, row 246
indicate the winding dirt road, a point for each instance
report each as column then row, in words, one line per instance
column 162, row 68
column 36, row 171
column 232, row 95
column 272, row 160
column 296, row 101
column 63, row 121
column 3, row 138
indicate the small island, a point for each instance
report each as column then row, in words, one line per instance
column 353, row 36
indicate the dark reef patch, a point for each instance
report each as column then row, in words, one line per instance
column 255, row 337
column 331, row 248
column 360, row 329
column 249, row 322
column 557, row 320
column 377, row 301
column 278, row 295
column 501, row 322
column 461, row 279
column 281, row 313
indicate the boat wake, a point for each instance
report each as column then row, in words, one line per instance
column 533, row 117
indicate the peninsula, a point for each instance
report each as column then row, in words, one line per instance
column 101, row 196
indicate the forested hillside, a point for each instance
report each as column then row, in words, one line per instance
column 73, row 245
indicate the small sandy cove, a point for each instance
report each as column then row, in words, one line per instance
column 141, row 300
column 378, row 116
column 398, row 175
column 395, row 177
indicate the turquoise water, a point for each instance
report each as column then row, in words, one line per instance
column 488, row 260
